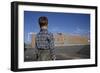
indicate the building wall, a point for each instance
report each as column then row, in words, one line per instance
column 59, row 39
column 33, row 41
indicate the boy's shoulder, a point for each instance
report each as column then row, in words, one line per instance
column 48, row 33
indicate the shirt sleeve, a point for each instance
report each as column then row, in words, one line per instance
column 51, row 45
column 51, row 42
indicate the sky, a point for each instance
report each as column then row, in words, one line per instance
column 68, row 23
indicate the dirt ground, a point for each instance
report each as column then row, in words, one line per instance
column 62, row 53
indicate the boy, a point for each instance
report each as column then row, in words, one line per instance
column 44, row 41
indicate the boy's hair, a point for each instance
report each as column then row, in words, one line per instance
column 43, row 21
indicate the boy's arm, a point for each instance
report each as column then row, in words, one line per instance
column 36, row 49
column 52, row 47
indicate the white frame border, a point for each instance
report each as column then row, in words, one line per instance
column 22, row 64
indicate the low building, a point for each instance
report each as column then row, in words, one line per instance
column 61, row 39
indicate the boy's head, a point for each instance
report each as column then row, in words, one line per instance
column 43, row 21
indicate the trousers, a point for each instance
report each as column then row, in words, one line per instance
column 44, row 55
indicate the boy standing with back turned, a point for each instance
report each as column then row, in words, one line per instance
column 44, row 41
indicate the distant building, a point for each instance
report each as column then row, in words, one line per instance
column 33, row 40
column 61, row 39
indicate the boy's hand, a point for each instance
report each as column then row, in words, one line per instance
column 53, row 57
